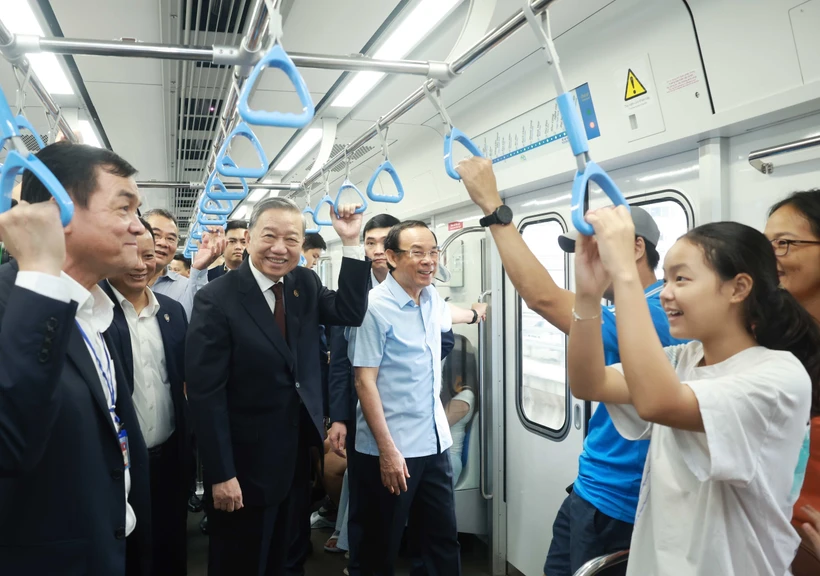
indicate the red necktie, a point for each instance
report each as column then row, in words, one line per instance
column 279, row 309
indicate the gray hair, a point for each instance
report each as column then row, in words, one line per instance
column 163, row 213
column 275, row 203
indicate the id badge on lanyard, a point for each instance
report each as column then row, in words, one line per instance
column 122, row 436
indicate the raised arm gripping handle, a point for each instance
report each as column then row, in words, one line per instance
column 310, row 218
column 385, row 166
column 214, row 207
column 226, row 165
column 325, row 200
column 216, row 190
column 277, row 58
column 22, row 122
column 596, row 174
column 457, row 135
column 15, row 164
column 348, row 185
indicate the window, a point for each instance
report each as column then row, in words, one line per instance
column 542, row 394
column 673, row 222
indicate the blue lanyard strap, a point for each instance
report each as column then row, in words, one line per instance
column 106, row 374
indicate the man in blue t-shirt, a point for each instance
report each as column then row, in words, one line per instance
column 598, row 515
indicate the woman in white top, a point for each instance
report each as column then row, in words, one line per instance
column 726, row 413
column 459, row 412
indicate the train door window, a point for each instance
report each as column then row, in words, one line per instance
column 673, row 220
column 542, row 384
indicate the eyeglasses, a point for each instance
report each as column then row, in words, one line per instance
column 782, row 245
column 420, row 254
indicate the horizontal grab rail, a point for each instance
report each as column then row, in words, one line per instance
column 756, row 156
column 597, row 565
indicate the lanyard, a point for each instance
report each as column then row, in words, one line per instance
column 106, row 374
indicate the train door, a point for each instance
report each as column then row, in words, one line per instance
column 464, row 278
column 545, row 425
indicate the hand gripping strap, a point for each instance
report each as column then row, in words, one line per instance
column 457, row 135
column 596, row 174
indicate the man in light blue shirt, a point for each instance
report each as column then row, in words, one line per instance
column 402, row 432
column 166, row 233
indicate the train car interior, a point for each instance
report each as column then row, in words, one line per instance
column 697, row 110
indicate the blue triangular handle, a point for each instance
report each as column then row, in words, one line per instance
column 385, row 166
column 277, row 58
column 302, row 260
column 15, row 164
column 227, row 167
column 204, row 220
column 310, row 218
column 190, row 250
column 596, row 174
column 208, row 205
column 22, row 122
column 325, row 200
column 216, row 190
column 458, row 136
column 196, row 233
column 348, row 185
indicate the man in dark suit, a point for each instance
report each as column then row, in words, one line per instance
column 149, row 334
column 254, row 385
column 73, row 463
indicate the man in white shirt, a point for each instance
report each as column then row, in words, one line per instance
column 73, row 463
column 149, row 333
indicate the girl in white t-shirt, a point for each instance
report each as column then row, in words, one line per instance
column 726, row 413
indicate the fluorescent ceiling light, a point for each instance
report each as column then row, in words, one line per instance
column 427, row 15
column 18, row 17
column 304, row 145
column 89, row 136
column 257, row 195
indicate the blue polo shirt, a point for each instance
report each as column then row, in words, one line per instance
column 403, row 340
column 610, row 467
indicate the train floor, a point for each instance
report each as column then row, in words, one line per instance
column 474, row 555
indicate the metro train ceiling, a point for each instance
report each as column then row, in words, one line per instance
column 162, row 115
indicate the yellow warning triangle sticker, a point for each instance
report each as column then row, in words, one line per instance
column 634, row 88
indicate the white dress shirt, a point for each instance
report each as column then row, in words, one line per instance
column 152, row 387
column 95, row 312
column 265, row 283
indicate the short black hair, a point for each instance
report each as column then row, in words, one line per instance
column 394, row 236
column 236, row 225
column 185, row 261
column 75, row 166
column 313, row 241
column 162, row 212
column 148, row 227
column 379, row 221
column 652, row 256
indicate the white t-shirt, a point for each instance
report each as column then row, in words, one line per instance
column 720, row 502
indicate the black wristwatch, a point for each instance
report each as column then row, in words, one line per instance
column 502, row 215
column 475, row 317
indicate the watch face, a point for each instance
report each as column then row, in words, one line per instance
column 504, row 214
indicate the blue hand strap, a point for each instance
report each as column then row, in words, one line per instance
column 189, row 252
column 214, row 207
column 227, row 167
column 593, row 173
column 310, row 217
column 326, row 199
column 22, row 122
column 277, row 58
column 216, row 190
column 302, row 260
column 206, row 220
column 348, row 185
column 16, row 164
column 385, row 166
column 458, row 136
column 196, row 233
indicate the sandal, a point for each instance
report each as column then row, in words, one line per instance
column 331, row 544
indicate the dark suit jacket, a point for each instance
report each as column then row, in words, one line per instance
column 173, row 330
column 246, row 383
column 342, row 396
column 62, row 492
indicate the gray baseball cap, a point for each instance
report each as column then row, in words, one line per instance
column 644, row 226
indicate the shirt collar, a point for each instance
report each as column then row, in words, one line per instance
column 94, row 307
column 153, row 304
column 373, row 280
column 654, row 289
column 263, row 281
column 400, row 295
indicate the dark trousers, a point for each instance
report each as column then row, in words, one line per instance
column 428, row 504
column 354, row 518
column 169, row 508
column 298, row 508
column 580, row 533
column 254, row 541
